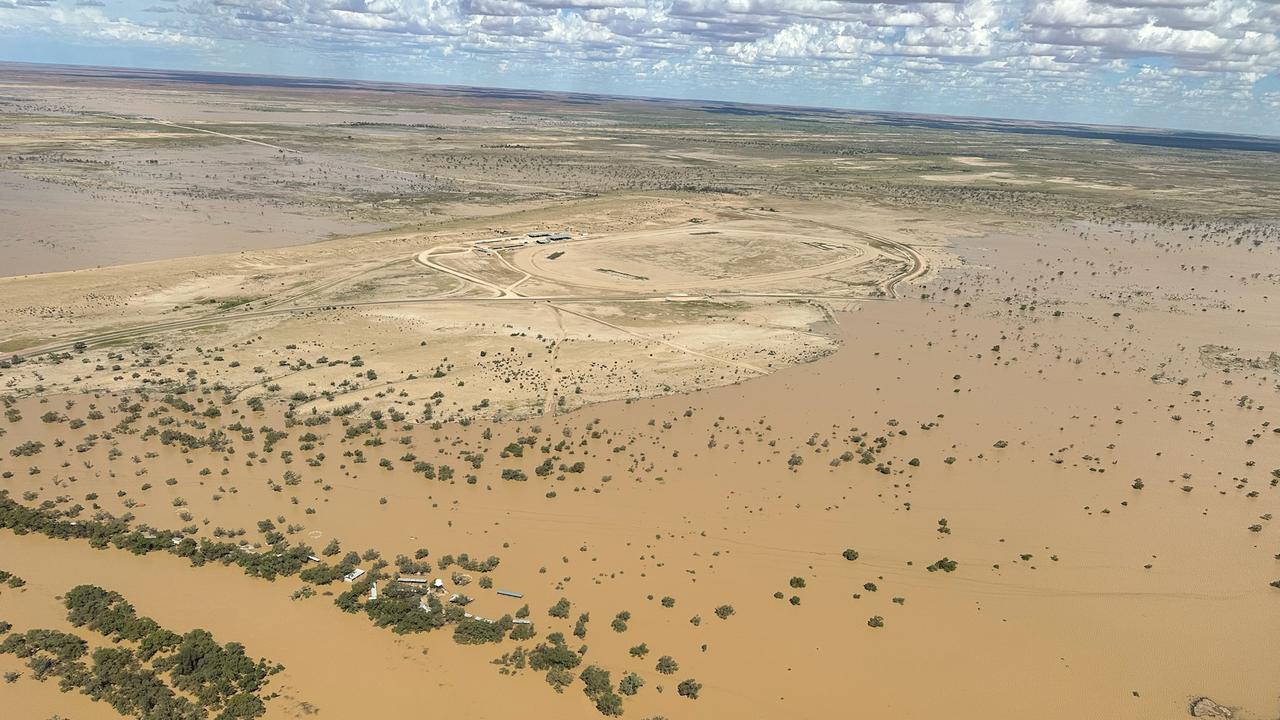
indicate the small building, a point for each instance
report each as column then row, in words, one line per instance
column 560, row 236
column 373, row 591
column 412, row 580
column 313, row 558
column 543, row 241
column 539, row 234
column 353, row 575
column 511, row 594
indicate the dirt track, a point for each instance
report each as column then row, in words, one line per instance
column 523, row 261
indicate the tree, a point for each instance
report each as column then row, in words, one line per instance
column 117, row 677
column 560, row 609
column 945, row 564
column 630, row 684
column 596, row 680
column 608, row 703
column 324, row 574
column 598, row 687
column 559, row 678
column 554, row 654
column 689, row 688
column 667, row 665
column 242, row 707
column 473, row 631
column 619, row 623
column 212, row 672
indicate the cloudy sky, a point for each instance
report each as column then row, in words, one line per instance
column 1200, row 64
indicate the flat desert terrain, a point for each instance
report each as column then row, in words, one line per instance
column 334, row 398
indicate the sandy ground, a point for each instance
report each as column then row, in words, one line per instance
column 730, row 296
column 50, row 228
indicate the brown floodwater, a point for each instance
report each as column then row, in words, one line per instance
column 1128, row 603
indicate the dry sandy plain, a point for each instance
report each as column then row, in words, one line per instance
column 1028, row 373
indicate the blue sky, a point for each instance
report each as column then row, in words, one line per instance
column 1195, row 64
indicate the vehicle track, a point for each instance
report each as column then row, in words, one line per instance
column 147, row 329
column 322, row 285
column 424, row 258
column 858, row 258
column 548, row 403
column 286, row 305
column 917, row 264
column 674, row 346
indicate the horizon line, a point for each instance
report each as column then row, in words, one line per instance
column 659, row 98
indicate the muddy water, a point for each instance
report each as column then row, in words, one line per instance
column 1128, row 602
column 334, row 661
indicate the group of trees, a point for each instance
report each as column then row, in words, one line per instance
column 398, row 607
column 196, row 664
column 555, row 657
column 281, row 559
column 464, row 561
column 131, row 676
column 476, row 631
column 152, row 662
column 598, row 686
